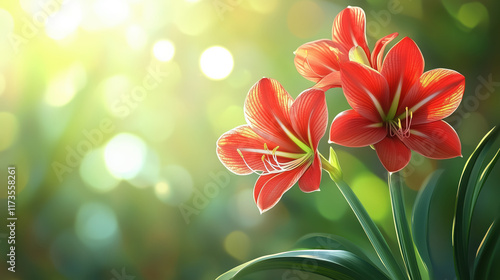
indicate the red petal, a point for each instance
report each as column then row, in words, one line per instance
column 349, row 30
column 378, row 51
column 267, row 110
column 242, row 138
column 329, row 81
column 436, row 96
column 269, row 188
column 311, row 179
column 437, row 140
column 402, row 68
column 365, row 90
column 393, row 154
column 309, row 116
column 315, row 60
column 353, row 130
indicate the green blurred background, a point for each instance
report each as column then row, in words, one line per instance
column 110, row 111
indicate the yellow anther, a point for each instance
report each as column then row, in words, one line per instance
column 274, row 150
column 399, row 123
column 239, row 152
column 265, row 147
column 263, row 157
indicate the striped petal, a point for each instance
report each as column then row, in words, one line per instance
column 315, row 60
column 437, row 140
column 436, row 96
column 402, row 67
column 309, row 117
column 329, row 81
column 311, row 179
column 350, row 129
column 393, row 154
column 267, row 111
column 237, row 148
column 270, row 188
column 349, row 30
column 365, row 90
column 378, row 51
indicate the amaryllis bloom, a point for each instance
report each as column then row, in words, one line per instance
column 400, row 108
column 319, row 61
column 279, row 142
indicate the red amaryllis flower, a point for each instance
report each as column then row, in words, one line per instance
column 400, row 108
column 279, row 142
column 319, row 61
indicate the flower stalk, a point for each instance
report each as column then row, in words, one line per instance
column 372, row 231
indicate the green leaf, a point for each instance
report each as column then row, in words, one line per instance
column 405, row 239
column 420, row 219
column 335, row 242
column 335, row 264
column 469, row 187
column 489, row 248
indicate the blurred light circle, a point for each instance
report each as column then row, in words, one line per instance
column 6, row 22
column 162, row 190
column 124, row 155
column 64, row 86
column 136, row 37
column 149, row 173
column 94, row 172
column 373, row 194
column 9, row 128
column 176, row 187
column 164, row 50
column 216, row 63
column 65, row 21
column 472, row 13
column 96, row 224
column 237, row 244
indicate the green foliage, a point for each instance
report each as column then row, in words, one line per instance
column 335, row 264
column 473, row 178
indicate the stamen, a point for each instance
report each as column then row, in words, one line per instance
column 251, row 169
column 271, row 163
column 396, row 128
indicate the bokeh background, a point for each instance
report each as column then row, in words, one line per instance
column 110, row 111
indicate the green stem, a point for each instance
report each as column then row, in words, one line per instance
column 405, row 239
column 372, row 232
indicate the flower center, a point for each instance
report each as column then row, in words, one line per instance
column 358, row 55
column 275, row 161
column 396, row 128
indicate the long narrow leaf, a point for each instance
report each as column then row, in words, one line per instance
column 465, row 203
column 482, row 179
column 335, row 242
column 402, row 229
column 335, row 264
column 420, row 219
column 489, row 248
